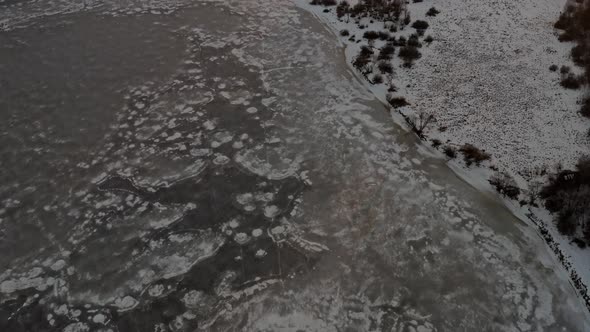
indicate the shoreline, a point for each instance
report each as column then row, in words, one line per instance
column 476, row 176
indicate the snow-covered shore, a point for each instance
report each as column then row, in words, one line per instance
column 486, row 79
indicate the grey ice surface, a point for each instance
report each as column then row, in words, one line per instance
column 216, row 166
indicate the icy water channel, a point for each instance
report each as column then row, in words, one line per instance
column 218, row 167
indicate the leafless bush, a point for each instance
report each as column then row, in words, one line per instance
column 585, row 110
column 567, row 194
column 450, row 152
column 386, row 52
column 420, row 122
column 377, row 79
column 432, row 12
column 371, row 35
column 323, row 2
column 571, row 81
column 420, row 25
column 414, row 40
column 471, row 154
column 564, row 70
column 396, row 102
column 505, row 185
column 409, row 54
column 575, row 23
column 385, row 67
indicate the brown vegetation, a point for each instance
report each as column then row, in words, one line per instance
column 471, row 154
column 567, row 195
column 575, row 24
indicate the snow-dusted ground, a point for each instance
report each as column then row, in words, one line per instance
column 487, row 81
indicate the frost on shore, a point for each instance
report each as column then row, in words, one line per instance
column 481, row 77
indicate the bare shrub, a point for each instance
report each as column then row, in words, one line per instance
column 407, row 19
column 564, row 22
column 585, row 110
column 362, row 64
column 344, row 33
column 366, row 51
column 420, row 25
column 450, row 152
column 377, row 79
column 396, row 102
column 570, row 81
column 471, row 154
column 386, row 52
column 432, row 12
column 567, row 194
column 420, row 122
column 575, row 23
column 343, row 9
column 580, row 54
column 383, row 35
column 385, row 67
column 505, row 185
column 414, row 41
column 323, row 2
column 564, row 70
column 371, row 35
column 409, row 54
column 566, row 37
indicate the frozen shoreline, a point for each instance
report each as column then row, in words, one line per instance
column 506, row 156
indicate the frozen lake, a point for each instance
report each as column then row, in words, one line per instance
column 218, row 167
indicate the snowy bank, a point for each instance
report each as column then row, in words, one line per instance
column 486, row 80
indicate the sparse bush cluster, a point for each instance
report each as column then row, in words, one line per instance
column 386, row 52
column 397, row 102
column 568, row 79
column 505, row 185
column 567, row 196
column 374, row 60
column 585, row 110
column 450, row 152
column 371, row 35
column 401, row 41
column 420, row 25
column 420, row 122
column 471, row 154
column 414, row 41
column 571, row 81
column 382, row 10
column 432, row 12
column 409, row 54
column 362, row 62
column 377, row 79
column 324, row 2
column 575, row 25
